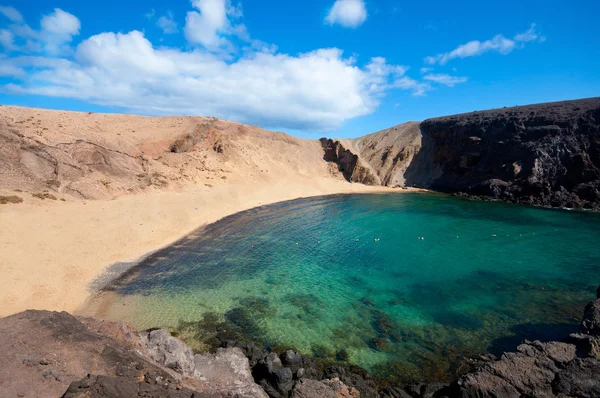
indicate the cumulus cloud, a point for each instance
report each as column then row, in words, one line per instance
column 167, row 23
column 348, row 13
column 211, row 22
column 445, row 79
column 11, row 13
column 57, row 30
column 425, row 70
column 498, row 43
column 317, row 90
column 312, row 91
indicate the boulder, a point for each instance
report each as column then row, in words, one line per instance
column 591, row 319
column 334, row 388
column 227, row 373
column 169, row 351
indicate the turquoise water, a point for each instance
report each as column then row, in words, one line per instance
column 347, row 277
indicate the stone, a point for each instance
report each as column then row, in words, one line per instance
column 283, row 380
column 227, row 373
column 169, row 351
column 95, row 386
column 334, row 388
column 306, row 388
column 580, row 378
column 591, row 319
column 291, row 359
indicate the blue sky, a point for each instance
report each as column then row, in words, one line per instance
column 318, row 67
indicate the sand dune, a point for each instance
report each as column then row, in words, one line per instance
column 127, row 185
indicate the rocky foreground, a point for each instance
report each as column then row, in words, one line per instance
column 51, row 354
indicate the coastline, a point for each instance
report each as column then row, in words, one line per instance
column 54, row 253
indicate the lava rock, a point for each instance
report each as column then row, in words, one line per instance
column 544, row 154
column 591, row 319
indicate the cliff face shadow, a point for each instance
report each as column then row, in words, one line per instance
column 419, row 172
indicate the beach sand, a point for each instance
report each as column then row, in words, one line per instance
column 51, row 252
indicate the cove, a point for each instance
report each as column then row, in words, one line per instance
column 346, row 277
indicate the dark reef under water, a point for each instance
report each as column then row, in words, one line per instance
column 347, row 279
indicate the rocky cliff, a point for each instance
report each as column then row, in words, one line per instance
column 390, row 151
column 545, row 154
column 353, row 168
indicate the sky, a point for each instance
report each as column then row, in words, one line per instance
column 340, row 68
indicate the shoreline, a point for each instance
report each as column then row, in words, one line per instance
column 56, row 256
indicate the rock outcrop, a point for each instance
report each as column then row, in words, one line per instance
column 390, row 152
column 48, row 354
column 350, row 164
column 545, row 154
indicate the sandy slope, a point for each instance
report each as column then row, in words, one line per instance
column 126, row 194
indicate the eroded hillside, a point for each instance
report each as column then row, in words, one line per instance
column 99, row 156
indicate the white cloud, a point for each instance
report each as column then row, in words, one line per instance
column 317, row 90
column 11, row 13
column 446, row 80
column 167, row 24
column 418, row 89
column 529, row 35
column 61, row 23
column 212, row 20
column 425, row 70
column 473, row 48
column 58, row 29
column 348, row 13
column 6, row 39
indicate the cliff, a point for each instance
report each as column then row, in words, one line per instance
column 390, row 151
column 352, row 167
column 545, row 154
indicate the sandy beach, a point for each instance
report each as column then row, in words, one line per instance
column 51, row 252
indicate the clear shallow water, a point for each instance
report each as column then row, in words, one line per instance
column 309, row 274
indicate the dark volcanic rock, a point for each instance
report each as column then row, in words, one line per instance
column 591, row 319
column 553, row 369
column 545, row 154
